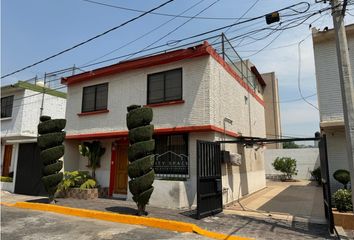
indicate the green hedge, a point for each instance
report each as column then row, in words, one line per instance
column 139, row 117
column 51, row 154
column 140, row 134
column 52, row 180
column 140, row 149
column 132, row 107
column 49, row 126
column 52, row 168
column 49, row 140
column 142, row 183
column 44, row 118
column 144, row 197
column 6, row 179
column 141, row 166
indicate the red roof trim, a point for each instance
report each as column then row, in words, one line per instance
column 175, row 130
column 258, row 76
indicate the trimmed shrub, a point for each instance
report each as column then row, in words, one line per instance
column 51, row 150
column 139, row 134
column 140, row 149
column 139, row 117
column 141, row 166
column 342, row 176
column 140, row 169
column 287, row 166
column 6, row 179
column 343, row 200
column 316, row 174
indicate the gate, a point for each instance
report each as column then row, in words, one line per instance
column 327, row 201
column 209, row 186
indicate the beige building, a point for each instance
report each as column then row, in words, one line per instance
column 272, row 109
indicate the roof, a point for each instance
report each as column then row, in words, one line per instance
column 22, row 85
column 328, row 34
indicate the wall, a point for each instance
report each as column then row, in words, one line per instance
column 272, row 109
column 131, row 88
column 307, row 159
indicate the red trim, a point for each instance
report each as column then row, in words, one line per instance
column 258, row 76
column 165, row 103
column 144, row 62
column 113, row 168
column 205, row 128
column 93, row 112
column 232, row 72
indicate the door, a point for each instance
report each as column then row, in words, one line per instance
column 6, row 161
column 29, row 170
column 209, row 186
column 121, row 171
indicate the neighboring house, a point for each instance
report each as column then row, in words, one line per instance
column 20, row 111
column 194, row 94
column 330, row 97
column 272, row 109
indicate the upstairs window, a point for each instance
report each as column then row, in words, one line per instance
column 165, row 86
column 94, row 98
column 6, row 106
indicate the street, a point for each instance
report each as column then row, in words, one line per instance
column 17, row 224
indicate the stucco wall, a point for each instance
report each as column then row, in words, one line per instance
column 131, row 88
column 307, row 159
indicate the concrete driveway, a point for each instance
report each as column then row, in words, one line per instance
column 300, row 201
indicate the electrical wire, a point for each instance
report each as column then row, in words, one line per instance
column 88, row 40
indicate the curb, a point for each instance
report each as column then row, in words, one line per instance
column 170, row 225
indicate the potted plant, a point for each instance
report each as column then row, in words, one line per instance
column 343, row 213
column 78, row 184
column 93, row 151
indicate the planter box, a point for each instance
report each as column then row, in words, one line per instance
column 343, row 219
column 82, row 193
column 7, row 186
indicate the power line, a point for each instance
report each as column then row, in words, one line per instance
column 88, row 40
column 163, row 14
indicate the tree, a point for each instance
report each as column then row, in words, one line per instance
column 290, row 145
column 286, row 165
column 140, row 155
column 93, row 151
column 50, row 141
column 342, row 176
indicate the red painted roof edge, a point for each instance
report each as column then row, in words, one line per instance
column 175, row 130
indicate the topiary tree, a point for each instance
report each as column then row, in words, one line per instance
column 286, row 165
column 342, row 176
column 140, row 155
column 93, row 151
column 50, row 143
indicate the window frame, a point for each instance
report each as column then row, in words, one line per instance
column 95, row 98
column 12, row 106
column 164, row 86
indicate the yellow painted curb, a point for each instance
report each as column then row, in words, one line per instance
column 7, row 204
column 126, row 219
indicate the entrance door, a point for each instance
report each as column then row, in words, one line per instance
column 7, row 160
column 121, row 178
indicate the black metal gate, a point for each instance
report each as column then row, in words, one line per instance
column 327, row 200
column 209, row 186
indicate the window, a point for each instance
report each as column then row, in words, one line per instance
column 165, row 86
column 94, row 98
column 171, row 159
column 6, row 106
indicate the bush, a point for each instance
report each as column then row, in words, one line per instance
column 316, row 174
column 77, row 179
column 5, row 179
column 343, row 200
column 287, row 166
column 342, row 176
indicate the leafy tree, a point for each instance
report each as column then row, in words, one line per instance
column 140, row 155
column 93, row 151
column 50, row 141
column 286, row 165
column 290, row 145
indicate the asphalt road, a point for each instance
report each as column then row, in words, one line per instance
column 18, row 224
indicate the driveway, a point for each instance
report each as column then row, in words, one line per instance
column 300, row 201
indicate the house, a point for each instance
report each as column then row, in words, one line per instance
column 195, row 95
column 21, row 107
column 330, row 97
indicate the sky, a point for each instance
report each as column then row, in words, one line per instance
column 33, row 30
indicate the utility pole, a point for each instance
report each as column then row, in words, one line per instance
column 346, row 81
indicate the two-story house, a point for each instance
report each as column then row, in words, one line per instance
column 195, row 95
column 21, row 106
column 330, row 97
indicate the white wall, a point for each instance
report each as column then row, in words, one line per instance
column 307, row 159
column 131, row 88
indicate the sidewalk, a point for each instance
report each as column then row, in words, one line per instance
column 226, row 223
